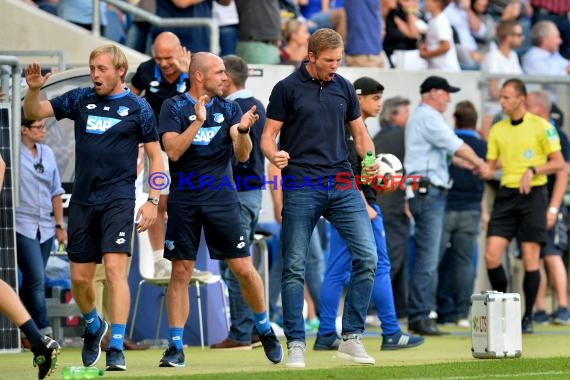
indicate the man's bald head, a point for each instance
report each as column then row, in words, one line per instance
column 166, row 40
column 202, row 61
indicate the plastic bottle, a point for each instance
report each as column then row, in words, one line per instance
column 368, row 160
column 72, row 373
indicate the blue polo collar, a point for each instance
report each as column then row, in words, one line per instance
column 180, row 82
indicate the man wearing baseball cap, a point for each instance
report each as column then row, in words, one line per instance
column 369, row 93
column 429, row 144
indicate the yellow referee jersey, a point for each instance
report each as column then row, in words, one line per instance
column 521, row 146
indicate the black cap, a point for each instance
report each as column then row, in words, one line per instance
column 436, row 83
column 367, row 86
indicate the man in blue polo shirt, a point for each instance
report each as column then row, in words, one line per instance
column 311, row 108
column 110, row 122
column 201, row 132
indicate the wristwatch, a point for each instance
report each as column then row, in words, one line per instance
column 243, row 131
column 553, row 210
column 61, row 226
column 154, row 201
column 532, row 169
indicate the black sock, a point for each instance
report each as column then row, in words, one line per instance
column 498, row 279
column 33, row 334
column 530, row 288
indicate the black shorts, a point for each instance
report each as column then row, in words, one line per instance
column 223, row 230
column 520, row 215
column 95, row 230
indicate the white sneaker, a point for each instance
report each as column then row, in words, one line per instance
column 201, row 275
column 464, row 323
column 351, row 348
column 295, row 355
column 162, row 268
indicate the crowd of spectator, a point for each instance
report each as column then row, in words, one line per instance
column 449, row 35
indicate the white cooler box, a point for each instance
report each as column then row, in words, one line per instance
column 496, row 325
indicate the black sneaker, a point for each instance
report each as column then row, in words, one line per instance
column 46, row 357
column 327, row 342
column 115, row 360
column 92, row 345
column 172, row 357
column 526, row 325
column 271, row 346
column 425, row 326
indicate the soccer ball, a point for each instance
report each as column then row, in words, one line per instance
column 388, row 166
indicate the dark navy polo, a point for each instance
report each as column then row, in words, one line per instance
column 157, row 89
column 203, row 174
column 314, row 115
column 248, row 175
column 467, row 189
column 108, row 130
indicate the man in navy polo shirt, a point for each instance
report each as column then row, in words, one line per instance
column 201, row 132
column 310, row 108
column 110, row 122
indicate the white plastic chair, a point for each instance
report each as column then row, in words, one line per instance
column 146, row 269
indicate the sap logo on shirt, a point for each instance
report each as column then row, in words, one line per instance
column 205, row 135
column 99, row 125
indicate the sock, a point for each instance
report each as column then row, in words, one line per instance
column 261, row 322
column 117, row 336
column 176, row 337
column 530, row 288
column 31, row 331
column 498, row 279
column 92, row 321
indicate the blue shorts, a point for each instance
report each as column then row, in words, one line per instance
column 95, row 230
column 557, row 238
column 223, row 230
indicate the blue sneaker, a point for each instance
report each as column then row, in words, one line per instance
column 115, row 360
column 271, row 346
column 540, row 317
column 561, row 316
column 46, row 357
column 172, row 357
column 92, row 345
column 400, row 340
column 327, row 342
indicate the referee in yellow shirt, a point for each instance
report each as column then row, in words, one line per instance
column 528, row 148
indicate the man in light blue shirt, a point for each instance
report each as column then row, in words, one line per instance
column 429, row 144
column 39, row 218
column 544, row 58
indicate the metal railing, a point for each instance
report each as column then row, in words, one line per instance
column 183, row 22
column 39, row 53
column 15, row 121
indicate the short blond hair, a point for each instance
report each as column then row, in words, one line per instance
column 118, row 57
